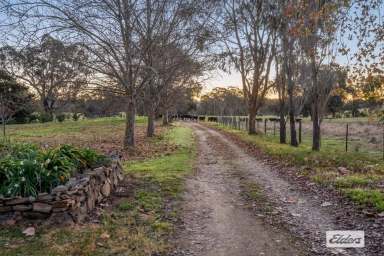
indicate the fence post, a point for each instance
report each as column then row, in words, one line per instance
column 274, row 128
column 383, row 142
column 346, row 138
column 265, row 126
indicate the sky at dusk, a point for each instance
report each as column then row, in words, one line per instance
column 223, row 79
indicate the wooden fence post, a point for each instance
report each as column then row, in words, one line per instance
column 274, row 128
column 265, row 126
column 346, row 138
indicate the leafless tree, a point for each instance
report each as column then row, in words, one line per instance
column 317, row 28
column 249, row 37
column 172, row 36
column 280, row 87
column 107, row 29
column 288, row 43
column 53, row 70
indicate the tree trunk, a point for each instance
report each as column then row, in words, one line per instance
column 129, row 139
column 4, row 128
column 251, row 124
column 288, row 62
column 48, row 106
column 315, row 109
column 151, row 123
column 291, row 111
column 316, row 127
column 283, row 130
column 165, row 118
column 292, row 128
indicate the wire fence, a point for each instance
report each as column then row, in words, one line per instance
column 349, row 135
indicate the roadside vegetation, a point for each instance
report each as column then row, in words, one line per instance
column 26, row 170
column 137, row 221
column 358, row 176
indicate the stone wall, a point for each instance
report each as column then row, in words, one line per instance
column 72, row 201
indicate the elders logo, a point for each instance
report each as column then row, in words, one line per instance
column 345, row 239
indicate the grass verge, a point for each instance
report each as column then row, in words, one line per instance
column 138, row 224
column 362, row 183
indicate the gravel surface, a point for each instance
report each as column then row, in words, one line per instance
column 218, row 219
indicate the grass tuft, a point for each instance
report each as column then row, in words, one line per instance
column 365, row 171
column 368, row 197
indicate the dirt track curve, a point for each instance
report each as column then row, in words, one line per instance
column 219, row 221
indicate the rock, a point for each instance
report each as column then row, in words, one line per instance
column 76, row 198
column 5, row 209
column 65, row 196
column 44, row 197
column 62, row 204
column 106, row 189
column 120, row 175
column 325, row 204
column 80, row 214
column 105, row 236
column 73, row 191
column 368, row 213
column 42, row 207
column 98, row 171
column 80, row 198
column 72, row 182
column 22, row 207
column 90, row 203
column 60, row 189
column 107, row 171
column 10, row 222
column 343, row 170
column 19, row 200
column 381, row 215
column 35, row 215
column 31, row 231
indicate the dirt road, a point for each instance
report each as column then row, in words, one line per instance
column 219, row 221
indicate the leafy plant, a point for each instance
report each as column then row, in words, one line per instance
column 60, row 117
column 26, row 170
column 76, row 116
column 92, row 159
column 45, row 117
column 22, row 176
column 60, row 166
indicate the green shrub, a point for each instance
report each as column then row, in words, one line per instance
column 92, row 159
column 26, row 170
column 76, row 116
column 23, row 177
column 60, row 117
column 34, row 117
column 45, row 117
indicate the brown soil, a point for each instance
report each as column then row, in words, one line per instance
column 218, row 220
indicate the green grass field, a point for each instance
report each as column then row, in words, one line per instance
column 82, row 130
column 362, row 183
column 138, row 224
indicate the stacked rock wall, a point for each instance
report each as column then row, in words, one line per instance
column 74, row 200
